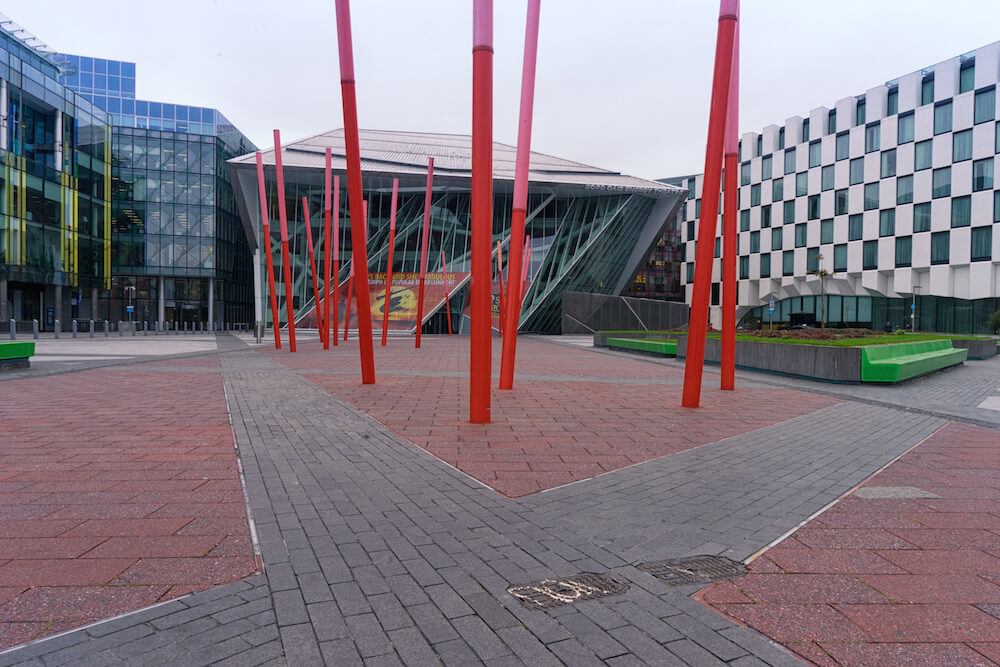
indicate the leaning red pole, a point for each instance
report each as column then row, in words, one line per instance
column 512, row 315
column 704, row 249
column 336, row 258
column 266, row 233
column 327, row 171
column 312, row 265
column 424, row 245
column 285, row 260
column 355, row 195
column 447, row 297
column 730, row 208
column 480, row 338
column 387, row 302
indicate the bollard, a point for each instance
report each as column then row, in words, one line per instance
column 73, row 328
column 177, row 330
column 13, row 329
column 91, row 328
column 107, row 328
column 57, row 327
column 34, row 329
column 131, row 326
column 145, row 327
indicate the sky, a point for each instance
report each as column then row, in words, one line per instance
column 621, row 84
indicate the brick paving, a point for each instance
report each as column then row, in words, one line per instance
column 118, row 489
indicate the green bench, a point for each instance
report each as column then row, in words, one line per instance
column 664, row 347
column 15, row 354
column 902, row 361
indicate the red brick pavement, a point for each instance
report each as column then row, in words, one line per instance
column 904, row 581
column 118, row 489
column 573, row 413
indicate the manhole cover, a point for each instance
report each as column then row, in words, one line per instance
column 549, row 593
column 693, row 570
column 893, row 492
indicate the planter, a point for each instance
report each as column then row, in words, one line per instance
column 601, row 337
column 815, row 362
column 982, row 348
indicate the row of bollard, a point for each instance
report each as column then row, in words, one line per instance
column 130, row 327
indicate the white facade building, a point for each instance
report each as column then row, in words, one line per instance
column 891, row 191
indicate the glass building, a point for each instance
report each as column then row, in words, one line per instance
column 590, row 228
column 179, row 252
column 55, row 190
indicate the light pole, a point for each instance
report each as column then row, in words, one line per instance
column 130, row 290
column 822, row 274
column 913, row 309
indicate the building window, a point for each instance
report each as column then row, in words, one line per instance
column 690, row 230
column 813, row 207
column 812, row 260
column 961, row 211
column 922, row 217
column 715, row 294
column 815, row 153
column 718, row 246
column 941, row 183
column 892, row 101
column 855, row 227
column 800, row 235
column 904, row 251
column 765, row 168
column 985, row 106
column 904, row 190
column 745, row 220
column 759, row 145
column 922, row 154
column 940, row 246
column 887, row 222
column 765, row 216
column 831, row 121
column 927, row 88
column 967, row 76
column 697, row 208
column 942, row 117
column 982, row 244
column 904, row 130
column 801, row 183
column 871, row 196
column 755, row 194
column 982, row 175
column 789, row 216
column 826, row 178
column 961, row 146
column 805, row 130
column 857, row 171
column 781, row 138
column 778, row 189
column 996, row 206
column 788, row 263
column 873, row 138
column 754, row 241
column 840, row 202
column 869, row 253
column 888, row 163
column 745, row 173
column 790, row 160
column 826, row 231
column 843, row 145
column 777, row 239
column 840, row 257
column 765, row 266
column 744, row 267
column 689, row 268
column 859, row 111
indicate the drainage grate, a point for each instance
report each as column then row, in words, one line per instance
column 694, row 569
column 549, row 593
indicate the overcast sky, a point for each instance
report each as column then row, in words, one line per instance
column 622, row 84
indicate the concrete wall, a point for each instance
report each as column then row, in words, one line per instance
column 818, row 362
column 584, row 313
column 978, row 349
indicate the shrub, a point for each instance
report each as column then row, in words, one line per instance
column 994, row 323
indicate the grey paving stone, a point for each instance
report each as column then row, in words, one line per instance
column 412, row 648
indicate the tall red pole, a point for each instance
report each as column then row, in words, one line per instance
column 480, row 339
column 327, row 171
column 388, row 263
column 352, row 146
column 697, row 325
column 424, row 245
column 285, row 260
column 447, row 297
column 336, row 258
column 512, row 314
column 500, row 284
column 266, row 233
column 730, row 234
column 312, row 265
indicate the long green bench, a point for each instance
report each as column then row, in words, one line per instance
column 902, row 361
column 15, row 354
column 667, row 348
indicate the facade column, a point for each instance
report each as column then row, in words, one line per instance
column 59, row 141
column 161, row 308
column 58, row 305
column 3, row 115
column 258, row 293
column 4, row 314
column 211, row 302
column 95, row 310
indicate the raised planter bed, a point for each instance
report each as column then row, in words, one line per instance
column 816, row 362
column 601, row 337
column 659, row 347
column 16, row 354
column 979, row 348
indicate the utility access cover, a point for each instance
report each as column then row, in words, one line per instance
column 693, row 569
column 549, row 593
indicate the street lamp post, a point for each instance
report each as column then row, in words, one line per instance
column 130, row 290
column 913, row 309
column 822, row 274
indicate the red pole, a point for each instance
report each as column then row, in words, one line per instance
column 512, row 312
column 500, row 283
column 388, row 262
column 266, row 233
column 355, row 195
column 730, row 234
column 697, row 325
column 447, row 298
column 480, row 357
column 312, row 265
column 424, row 244
column 336, row 258
column 285, row 260
column 327, row 171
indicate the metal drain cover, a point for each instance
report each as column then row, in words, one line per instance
column 693, row 569
column 549, row 593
